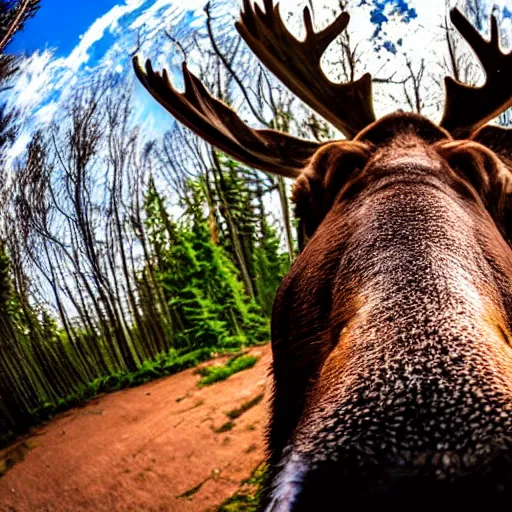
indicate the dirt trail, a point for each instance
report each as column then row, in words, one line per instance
column 151, row 448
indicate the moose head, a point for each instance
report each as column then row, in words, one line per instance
column 391, row 333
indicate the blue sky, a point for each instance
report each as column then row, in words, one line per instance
column 69, row 41
column 48, row 28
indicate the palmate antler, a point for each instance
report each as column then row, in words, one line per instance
column 347, row 106
column 467, row 108
column 297, row 64
column 215, row 122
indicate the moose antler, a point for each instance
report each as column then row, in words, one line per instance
column 215, row 122
column 297, row 64
column 467, row 108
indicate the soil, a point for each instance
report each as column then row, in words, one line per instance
column 164, row 446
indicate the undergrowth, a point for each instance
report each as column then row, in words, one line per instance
column 214, row 373
column 226, row 427
column 236, row 413
column 165, row 364
column 248, row 497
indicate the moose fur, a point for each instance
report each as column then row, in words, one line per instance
column 391, row 333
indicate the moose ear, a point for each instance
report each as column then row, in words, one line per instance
column 316, row 188
column 499, row 141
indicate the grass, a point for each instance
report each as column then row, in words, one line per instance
column 247, row 499
column 224, row 428
column 214, row 373
column 236, row 413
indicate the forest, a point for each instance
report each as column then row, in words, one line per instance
column 125, row 257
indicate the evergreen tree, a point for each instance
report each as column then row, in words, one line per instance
column 270, row 264
column 199, row 281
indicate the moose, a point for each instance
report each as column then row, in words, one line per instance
column 391, row 333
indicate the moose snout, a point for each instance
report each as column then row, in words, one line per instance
column 433, row 479
column 442, row 438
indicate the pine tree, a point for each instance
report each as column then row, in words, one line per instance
column 200, row 283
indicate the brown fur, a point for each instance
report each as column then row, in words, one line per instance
column 321, row 311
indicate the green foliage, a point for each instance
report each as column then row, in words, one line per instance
column 236, row 413
column 192, row 300
column 270, row 266
column 30, row 372
column 253, row 244
column 212, row 374
column 198, row 280
column 226, row 427
column 248, row 498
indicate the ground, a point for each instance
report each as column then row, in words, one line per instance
column 165, row 446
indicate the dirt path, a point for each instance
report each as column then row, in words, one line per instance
column 151, row 448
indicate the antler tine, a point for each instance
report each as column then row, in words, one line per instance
column 219, row 125
column 467, row 108
column 297, row 64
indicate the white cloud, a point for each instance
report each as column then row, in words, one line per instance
column 45, row 114
column 42, row 75
column 34, row 79
column 148, row 16
column 45, row 81
column 19, row 147
column 95, row 32
column 152, row 17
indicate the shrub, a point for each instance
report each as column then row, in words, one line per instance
column 212, row 374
